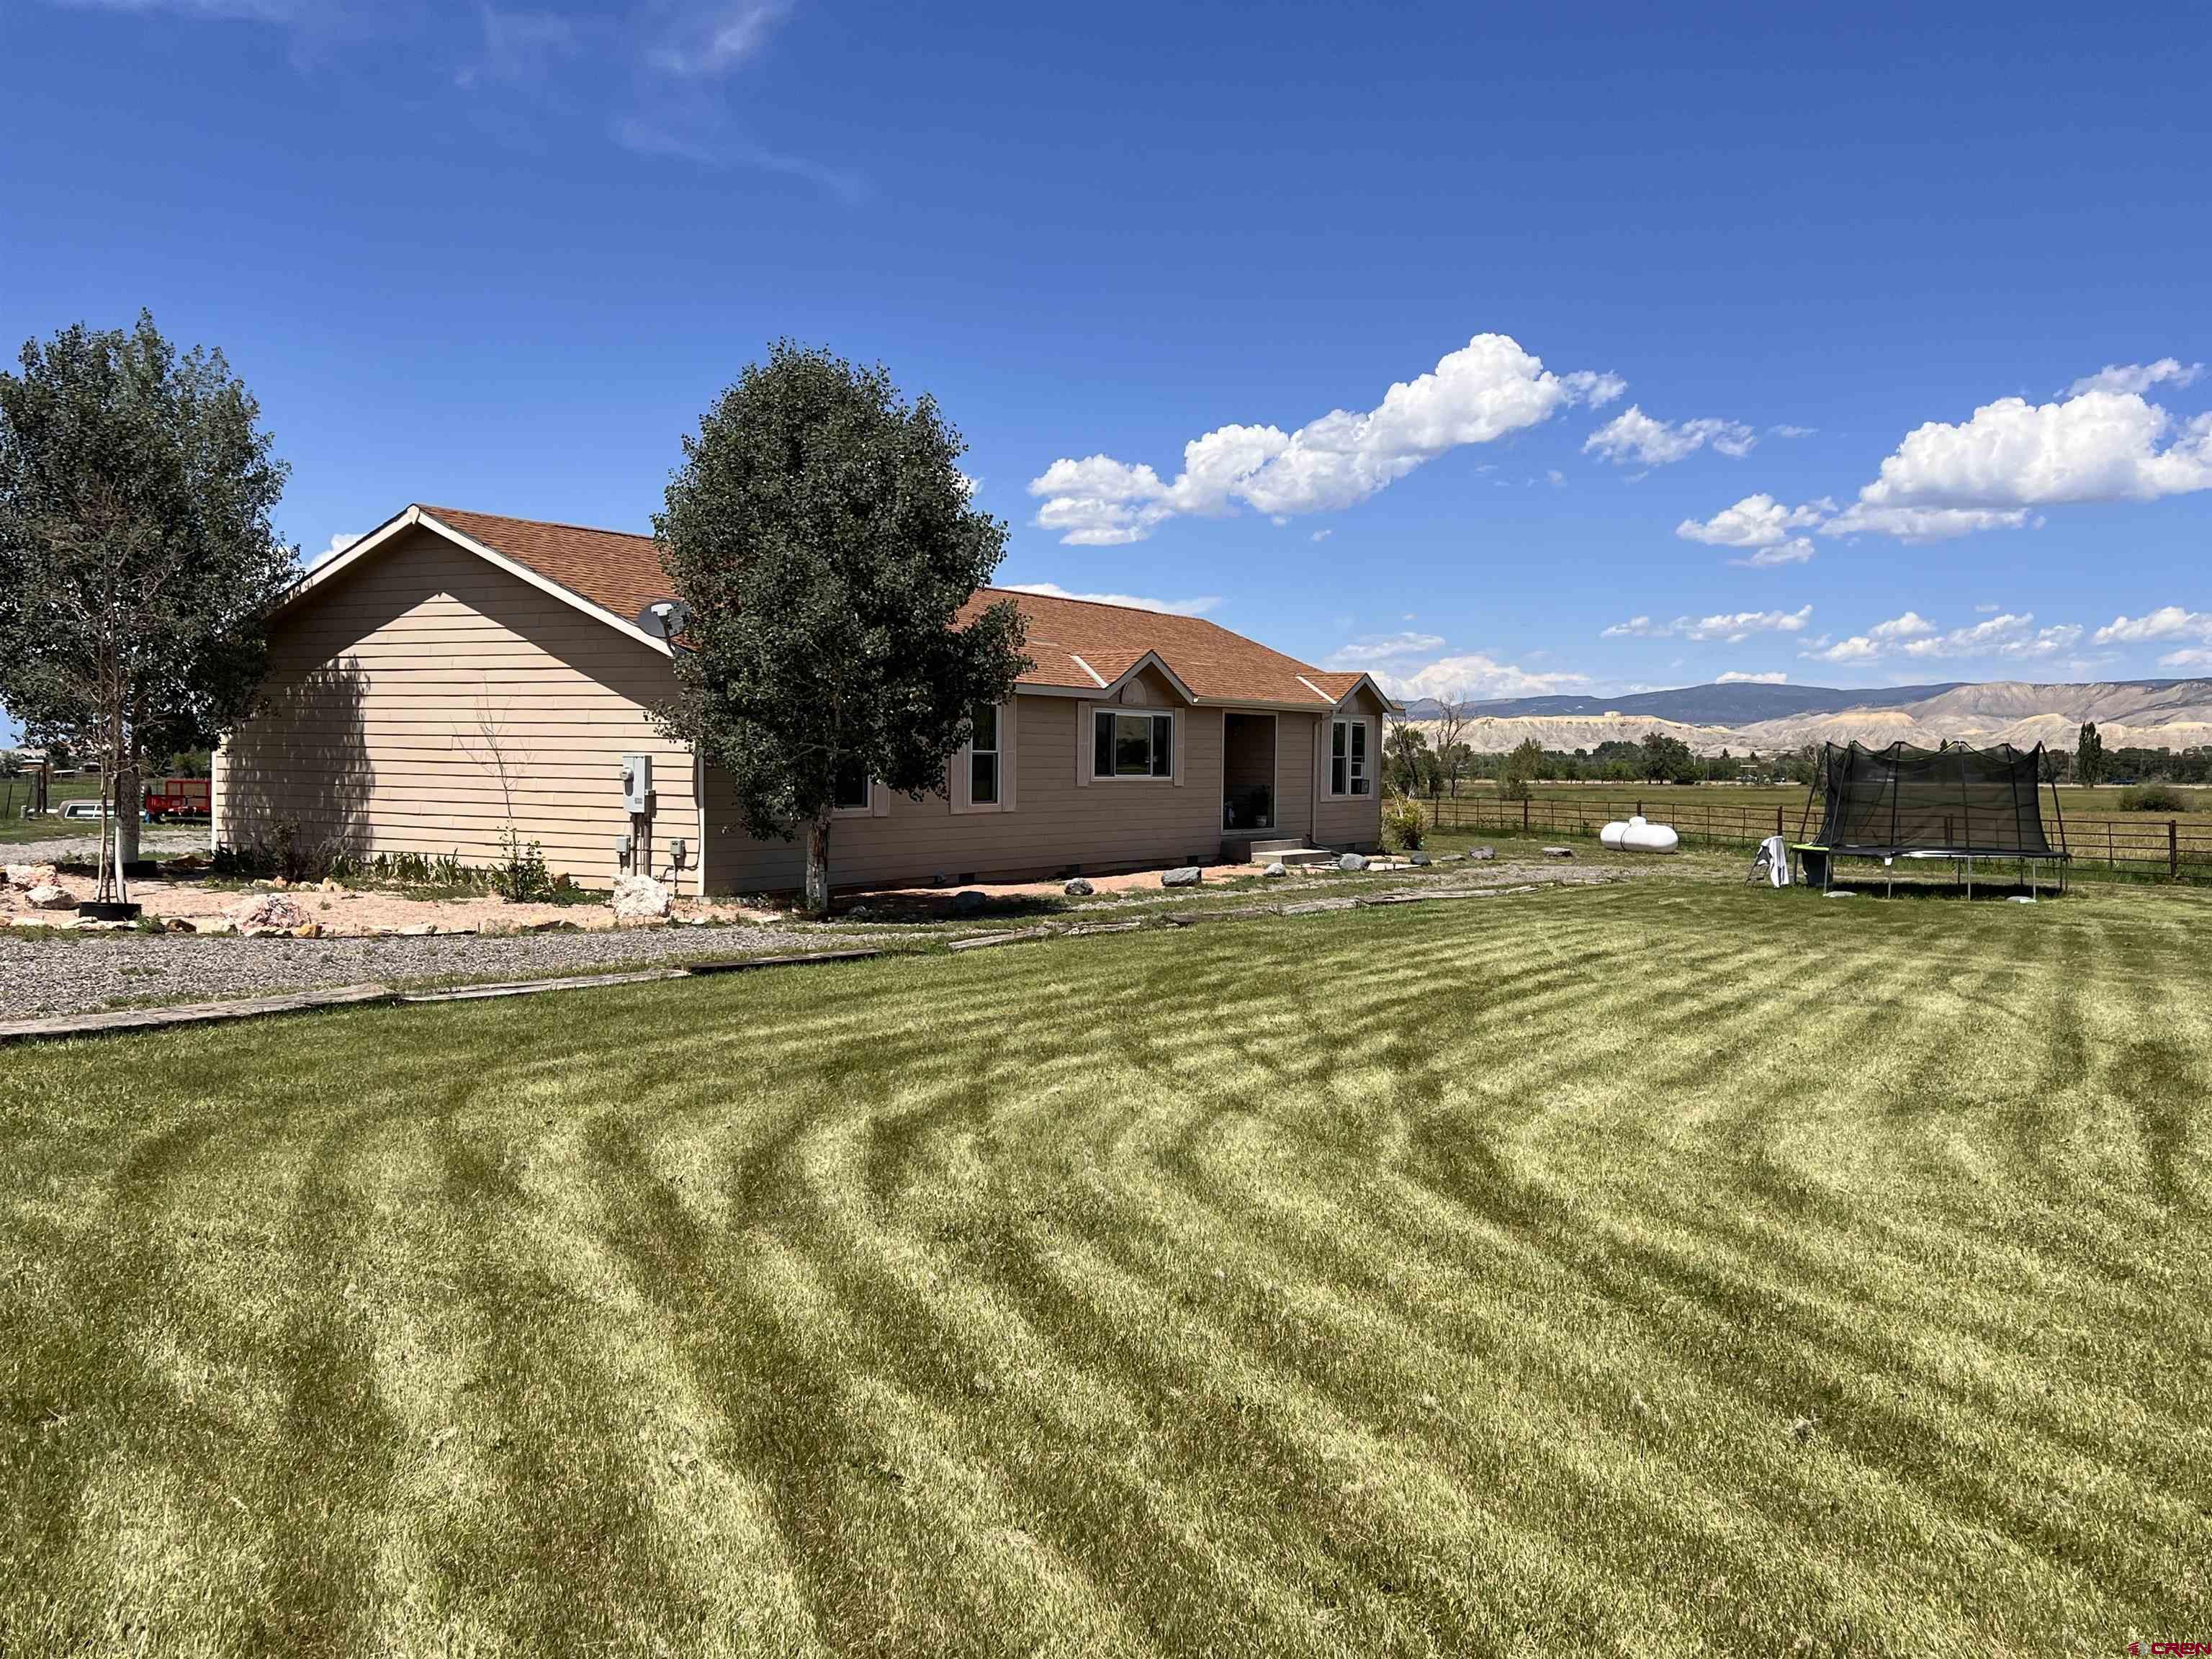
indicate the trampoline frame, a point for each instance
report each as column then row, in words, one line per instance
column 1962, row 854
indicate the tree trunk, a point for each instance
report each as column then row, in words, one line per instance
column 127, row 794
column 817, row 868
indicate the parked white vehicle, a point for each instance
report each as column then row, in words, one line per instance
column 85, row 811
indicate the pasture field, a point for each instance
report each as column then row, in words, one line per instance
column 1688, row 798
column 1669, row 1267
column 15, row 791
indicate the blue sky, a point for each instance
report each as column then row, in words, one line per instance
column 501, row 257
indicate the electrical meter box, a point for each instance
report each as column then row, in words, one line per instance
column 637, row 783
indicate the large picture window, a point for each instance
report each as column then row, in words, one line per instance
column 1348, row 759
column 1132, row 745
column 983, row 757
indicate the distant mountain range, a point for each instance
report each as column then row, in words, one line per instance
column 2137, row 713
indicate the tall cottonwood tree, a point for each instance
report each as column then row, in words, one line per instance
column 2090, row 755
column 821, row 539
column 137, row 558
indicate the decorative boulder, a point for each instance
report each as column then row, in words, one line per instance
column 49, row 897
column 1187, row 876
column 969, row 902
column 268, row 913
column 1417, row 858
column 1275, row 869
column 1559, row 852
column 1352, row 862
column 639, row 899
column 1477, row 853
column 31, row 875
column 1079, row 888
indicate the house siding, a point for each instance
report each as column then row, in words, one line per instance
column 1056, row 822
column 380, row 687
column 1294, row 775
column 1354, row 822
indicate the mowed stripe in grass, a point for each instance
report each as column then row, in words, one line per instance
column 1671, row 1268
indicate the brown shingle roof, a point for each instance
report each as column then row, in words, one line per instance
column 613, row 569
column 621, row 573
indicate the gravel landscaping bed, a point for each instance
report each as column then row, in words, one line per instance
column 70, row 976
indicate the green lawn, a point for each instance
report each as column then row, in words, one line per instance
column 1666, row 1268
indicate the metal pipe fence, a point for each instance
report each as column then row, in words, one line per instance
column 2175, row 848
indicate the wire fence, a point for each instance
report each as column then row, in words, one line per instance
column 2178, row 849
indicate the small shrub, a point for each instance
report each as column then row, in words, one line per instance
column 1404, row 823
column 287, row 856
column 2156, row 797
column 521, row 876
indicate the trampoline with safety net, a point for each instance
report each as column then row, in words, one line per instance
column 1954, row 803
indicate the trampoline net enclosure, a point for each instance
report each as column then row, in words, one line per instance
column 1971, row 802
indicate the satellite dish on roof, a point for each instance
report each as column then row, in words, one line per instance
column 665, row 618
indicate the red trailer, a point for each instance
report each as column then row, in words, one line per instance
column 178, row 797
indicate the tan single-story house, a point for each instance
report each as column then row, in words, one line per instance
column 452, row 673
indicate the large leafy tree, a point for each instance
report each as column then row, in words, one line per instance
column 820, row 538
column 137, row 553
column 1667, row 759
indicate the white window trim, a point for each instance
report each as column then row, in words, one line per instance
column 1328, row 759
column 1086, row 751
column 962, row 774
column 875, row 806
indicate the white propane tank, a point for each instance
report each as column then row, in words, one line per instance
column 1639, row 837
column 1611, row 835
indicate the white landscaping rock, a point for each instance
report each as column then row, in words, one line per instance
column 1352, row 862
column 639, row 899
column 267, row 912
column 31, row 875
column 1079, row 888
column 1187, row 876
column 1275, row 869
column 49, row 897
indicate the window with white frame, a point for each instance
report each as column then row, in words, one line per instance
column 983, row 756
column 1348, row 759
column 1125, row 745
column 850, row 790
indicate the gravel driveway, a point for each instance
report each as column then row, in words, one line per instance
column 83, row 975
column 155, row 840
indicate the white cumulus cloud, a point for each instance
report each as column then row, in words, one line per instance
column 2195, row 659
column 2136, row 377
column 1737, row 677
column 1796, row 550
column 2101, row 442
column 1732, row 628
column 1756, row 521
column 1634, row 436
column 1472, row 677
column 2004, row 636
column 1487, row 389
column 2012, row 454
column 2168, row 622
column 1378, row 651
column 1197, row 607
column 339, row 545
